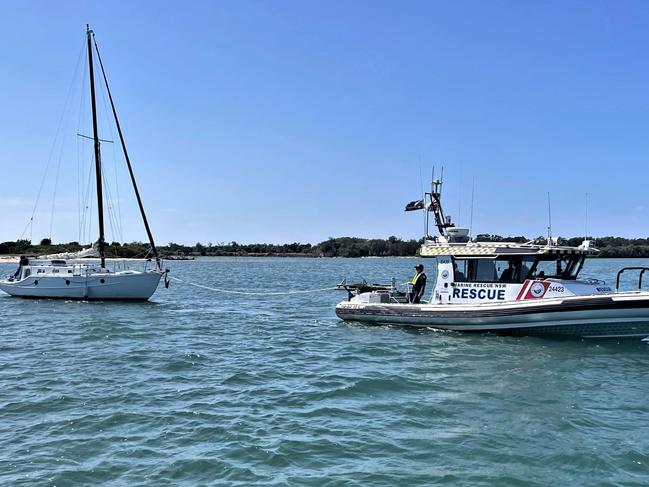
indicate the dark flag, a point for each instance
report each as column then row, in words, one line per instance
column 415, row 205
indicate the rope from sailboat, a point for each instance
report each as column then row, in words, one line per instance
column 251, row 293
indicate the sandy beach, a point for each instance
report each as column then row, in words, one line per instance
column 8, row 259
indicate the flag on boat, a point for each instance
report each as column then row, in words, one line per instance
column 415, row 205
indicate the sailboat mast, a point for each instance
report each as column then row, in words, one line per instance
column 95, row 133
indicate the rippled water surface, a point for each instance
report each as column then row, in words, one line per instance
column 200, row 388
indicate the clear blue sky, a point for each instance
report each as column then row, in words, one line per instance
column 296, row 121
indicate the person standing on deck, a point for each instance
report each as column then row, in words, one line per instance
column 418, row 284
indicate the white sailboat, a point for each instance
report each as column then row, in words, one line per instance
column 69, row 276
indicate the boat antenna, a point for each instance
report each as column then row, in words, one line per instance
column 100, row 199
column 459, row 197
column 586, row 222
column 472, row 198
column 421, row 179
column 549, row 221
column 423, row 198
column 432, row 179
column 428, row 204
column 128, row 160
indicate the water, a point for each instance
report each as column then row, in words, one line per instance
column 198, row 388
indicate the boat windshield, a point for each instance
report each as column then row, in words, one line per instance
column 516, row 269
column 557, row 266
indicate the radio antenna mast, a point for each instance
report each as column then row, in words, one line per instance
column 459, row 197
column 471, row 217
column 421, row 179
column 586, row 222
column 549, row 221
column 432, row 178
column 423, row 198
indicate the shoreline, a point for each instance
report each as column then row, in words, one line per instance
column 344, row 247
column 14, row 259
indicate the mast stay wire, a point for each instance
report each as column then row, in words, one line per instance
column 111, row 212
column 87, row 205
column 127, row 159
column 114, row 201
column 93, row 195
column 84, row 210
column 85, row 223
column 30, row 222
column 67, row 115
column 56, row 181
column 81, row 156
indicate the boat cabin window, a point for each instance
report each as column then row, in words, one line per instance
column 516, row 269
column 512, row 269
column 472, row 270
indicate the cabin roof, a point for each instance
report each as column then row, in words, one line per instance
column 495, row 249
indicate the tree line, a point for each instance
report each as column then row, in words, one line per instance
column 332, row 247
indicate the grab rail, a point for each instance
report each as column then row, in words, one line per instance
column 621, row 271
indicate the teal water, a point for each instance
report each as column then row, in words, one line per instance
column 199, row 388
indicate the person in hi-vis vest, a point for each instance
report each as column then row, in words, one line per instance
column 418, row 284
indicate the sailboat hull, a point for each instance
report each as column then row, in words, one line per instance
column 122, row 286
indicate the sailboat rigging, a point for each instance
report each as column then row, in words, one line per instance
column 128, row 159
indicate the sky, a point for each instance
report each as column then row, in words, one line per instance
column 283, row 121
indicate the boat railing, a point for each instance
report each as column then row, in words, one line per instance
column 621, row 271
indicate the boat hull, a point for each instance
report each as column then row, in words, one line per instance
column 620, row 315
column 122, row 286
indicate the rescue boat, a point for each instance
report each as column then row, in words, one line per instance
column 507, row 288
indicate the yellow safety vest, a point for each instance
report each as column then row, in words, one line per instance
column 415, row 278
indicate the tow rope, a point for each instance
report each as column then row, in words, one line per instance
column 250, row 293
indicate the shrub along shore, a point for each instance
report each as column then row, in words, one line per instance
column 333, row 247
